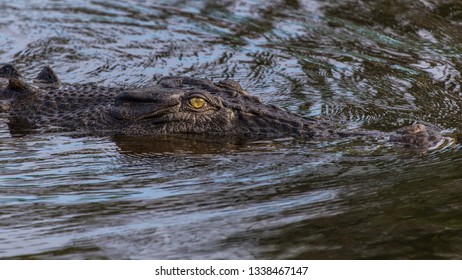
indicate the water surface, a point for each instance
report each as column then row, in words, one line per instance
column 374, row 64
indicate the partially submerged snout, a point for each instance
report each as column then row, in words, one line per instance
column 417, row 136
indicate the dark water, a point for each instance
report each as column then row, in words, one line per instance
column 377, row 64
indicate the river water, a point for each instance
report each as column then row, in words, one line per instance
column 373, row 64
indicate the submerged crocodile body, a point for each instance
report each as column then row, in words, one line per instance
column 173, row 106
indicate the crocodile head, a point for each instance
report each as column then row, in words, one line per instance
column 174, row 106
column 181, row 105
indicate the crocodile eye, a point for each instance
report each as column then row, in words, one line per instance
column 197, row 102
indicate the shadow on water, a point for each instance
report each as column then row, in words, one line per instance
column 375, row 64
column 176, row 144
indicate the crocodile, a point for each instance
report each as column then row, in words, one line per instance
column 173, row 106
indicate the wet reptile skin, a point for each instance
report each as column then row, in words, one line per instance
column 166, row 108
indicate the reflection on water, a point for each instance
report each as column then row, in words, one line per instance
column 377, row 64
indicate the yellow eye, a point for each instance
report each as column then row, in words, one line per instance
column 197, row 102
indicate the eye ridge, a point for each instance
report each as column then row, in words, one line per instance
column 197, row 102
